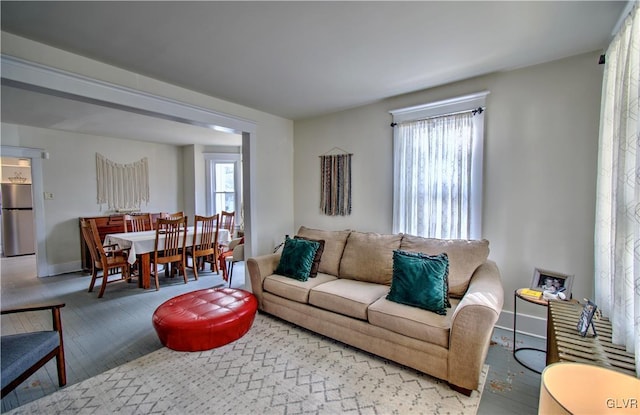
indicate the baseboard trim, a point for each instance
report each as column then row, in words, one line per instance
column 65, row 268
column 527, row 324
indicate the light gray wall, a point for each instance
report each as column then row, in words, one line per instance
column 194, row 181
column 541, row 138
column 70, row 174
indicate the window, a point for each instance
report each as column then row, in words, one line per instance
column 223, row 183
column 438, row 168
column 224, row 186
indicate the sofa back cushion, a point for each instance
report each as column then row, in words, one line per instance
column 465, row 256
column 369, row 257
column 334, row 242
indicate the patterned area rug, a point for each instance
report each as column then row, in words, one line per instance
column 276, row 368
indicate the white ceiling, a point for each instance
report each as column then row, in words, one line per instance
column 303, row 59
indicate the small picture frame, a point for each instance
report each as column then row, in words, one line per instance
column 586, row 318
column 552, row 283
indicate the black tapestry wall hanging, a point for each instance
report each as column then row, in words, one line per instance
column 335, row 184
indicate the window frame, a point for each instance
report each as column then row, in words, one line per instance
column 211, row 159
column 442, row 108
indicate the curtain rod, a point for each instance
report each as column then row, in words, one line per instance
column 476, row 111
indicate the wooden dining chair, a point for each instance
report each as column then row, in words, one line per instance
column 226, row 221
column 138, row 223
column 205, row 243
column 109, row 259
column 171, row 237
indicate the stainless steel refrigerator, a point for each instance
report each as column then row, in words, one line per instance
column 17, row 220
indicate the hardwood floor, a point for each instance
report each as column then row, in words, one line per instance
column 100, row 334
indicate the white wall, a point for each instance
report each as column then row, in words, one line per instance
column 190, row 156
column 272, row 177
column 541, row 137
column 70, row 174
column 199, row 182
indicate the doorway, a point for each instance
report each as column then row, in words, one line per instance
column 21, row 74
column 34, row 158
column 17, row 236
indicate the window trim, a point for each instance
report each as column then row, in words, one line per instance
column 446, row 107
column 442, row 107
column 210, row 160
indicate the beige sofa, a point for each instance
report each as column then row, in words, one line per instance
column 346, row 301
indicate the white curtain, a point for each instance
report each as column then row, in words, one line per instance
column 617, row 235
column 432, row 183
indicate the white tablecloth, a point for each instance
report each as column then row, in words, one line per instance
column 143, row 242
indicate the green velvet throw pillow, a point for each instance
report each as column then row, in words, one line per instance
column 297, row 258
column 317, row 257
column 420, row 280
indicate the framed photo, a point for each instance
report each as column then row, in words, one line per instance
column 586, row 319
column 552, row 282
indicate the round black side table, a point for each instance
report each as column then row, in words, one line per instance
column 517, row 294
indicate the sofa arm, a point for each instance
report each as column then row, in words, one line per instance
column 472, row 326
column 259, row 268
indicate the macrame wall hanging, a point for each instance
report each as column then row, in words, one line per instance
column 122, row 186
column 335, row 185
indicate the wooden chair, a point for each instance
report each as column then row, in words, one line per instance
column 106, row 258
column 138, row 223
column 171, row 237
column 205, row 242
column 226, row 221
column 24, row 353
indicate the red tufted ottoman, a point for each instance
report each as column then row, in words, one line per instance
column 204, row 319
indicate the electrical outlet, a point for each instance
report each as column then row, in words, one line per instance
column 48, row 196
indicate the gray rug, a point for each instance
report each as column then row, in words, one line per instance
column 276, row 368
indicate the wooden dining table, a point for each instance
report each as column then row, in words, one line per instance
column 142, row 244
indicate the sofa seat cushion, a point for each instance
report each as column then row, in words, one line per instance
column 465, row 256
column 348, row 297
column 334, row 242
column 412, row 321
column 292, row 289
column 368, row 257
